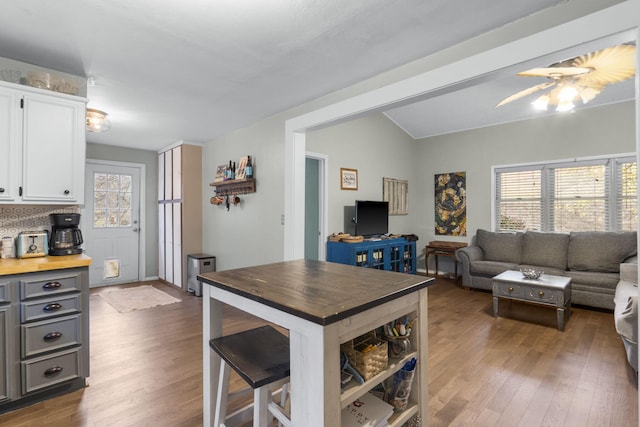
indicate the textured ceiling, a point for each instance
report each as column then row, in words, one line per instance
column 192, row 70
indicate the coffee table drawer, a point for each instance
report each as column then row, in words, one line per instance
column 547, row 296
column 507, row 289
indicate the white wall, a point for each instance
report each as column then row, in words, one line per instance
column 593, row 132
column 377, row 148
column 253, row 233
column 586, row 133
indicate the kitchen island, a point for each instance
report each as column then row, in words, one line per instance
column 44, row 324
column 322, row 305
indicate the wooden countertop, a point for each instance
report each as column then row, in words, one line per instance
column 321, row 292
column 31, row 265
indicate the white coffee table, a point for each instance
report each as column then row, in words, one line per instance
column 548, row 290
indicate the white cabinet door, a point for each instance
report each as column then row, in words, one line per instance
column 53, row 150
column 10, row 144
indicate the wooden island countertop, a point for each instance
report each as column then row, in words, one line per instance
column 321, row 292
column 322, row 305
column 31, row 265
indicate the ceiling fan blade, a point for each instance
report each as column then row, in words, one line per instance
column 611, row 65
column 525, row 92
column 554, row 72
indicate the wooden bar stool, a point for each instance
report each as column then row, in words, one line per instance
column 261, row 357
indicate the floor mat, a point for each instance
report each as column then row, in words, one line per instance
column 138, row 298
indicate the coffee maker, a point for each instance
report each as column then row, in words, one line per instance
column 66, row 237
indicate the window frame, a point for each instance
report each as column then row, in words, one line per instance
column 612, row 181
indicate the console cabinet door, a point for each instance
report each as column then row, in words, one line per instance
column 54, row 149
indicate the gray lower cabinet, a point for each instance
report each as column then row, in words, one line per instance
column 4, row 362
column 45, row 341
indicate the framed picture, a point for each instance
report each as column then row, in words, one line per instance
column 241, row 172
column 348, row 179
column 396, row 192
column 451, row 204
column 220, row 173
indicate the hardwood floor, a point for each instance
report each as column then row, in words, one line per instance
column 517, row 370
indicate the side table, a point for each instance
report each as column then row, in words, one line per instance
column 446, row 249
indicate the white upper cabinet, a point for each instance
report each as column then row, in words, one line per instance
column 10, row 144
column 46, row 135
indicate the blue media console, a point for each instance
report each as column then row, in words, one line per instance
column 386, row 254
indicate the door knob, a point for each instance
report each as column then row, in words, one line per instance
column 135, row 229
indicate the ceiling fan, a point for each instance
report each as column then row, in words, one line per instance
column 582, row 77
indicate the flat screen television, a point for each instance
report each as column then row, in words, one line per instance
column 371, row 218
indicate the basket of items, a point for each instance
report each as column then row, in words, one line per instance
column 368, row 354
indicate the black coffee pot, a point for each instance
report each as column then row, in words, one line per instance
column 66, row 237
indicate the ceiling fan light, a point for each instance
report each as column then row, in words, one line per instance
column 565, row 105
column 588, row 93
column 567, row 93
column 96, row 121
column 541, row 103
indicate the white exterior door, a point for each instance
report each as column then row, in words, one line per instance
column 111, row 223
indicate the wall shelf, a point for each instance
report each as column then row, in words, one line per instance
column 233, row 187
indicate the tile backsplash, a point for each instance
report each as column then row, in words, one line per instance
column 14, row 219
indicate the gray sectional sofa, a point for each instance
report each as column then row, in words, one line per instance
column 591, row 259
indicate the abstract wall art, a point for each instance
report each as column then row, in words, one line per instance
column 451, row 204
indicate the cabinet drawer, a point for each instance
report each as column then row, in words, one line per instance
column 4, row 293
column 43, row 309
column 50, row 370
column 50, row 335
column 41, row 285
column 507, row 290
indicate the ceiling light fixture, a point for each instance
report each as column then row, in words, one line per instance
column 96, row 121
column 580, row 78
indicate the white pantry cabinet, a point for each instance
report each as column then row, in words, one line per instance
column 43, row 134
column 179, row 211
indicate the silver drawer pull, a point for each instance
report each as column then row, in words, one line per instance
column 52, row 336
column 52, row 307
column 53, row 371
column 52, row 285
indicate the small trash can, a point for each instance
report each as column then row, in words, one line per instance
column 198, row 264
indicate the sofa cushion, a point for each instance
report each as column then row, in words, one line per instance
column 504, row 247
column 592, row 280
column 491, row 268
column 600, row 250
column 545, row 249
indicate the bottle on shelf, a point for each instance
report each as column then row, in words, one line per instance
column 227, row 172
column 233, row 171
column 249, row 168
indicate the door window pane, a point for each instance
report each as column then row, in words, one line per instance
column 111, row 200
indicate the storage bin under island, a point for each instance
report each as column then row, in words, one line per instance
column 322, row 305
column 44, row 319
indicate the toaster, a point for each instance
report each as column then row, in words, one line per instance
column 30, row 244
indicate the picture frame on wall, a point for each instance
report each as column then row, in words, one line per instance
column 348, row 179
column 220, row 173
